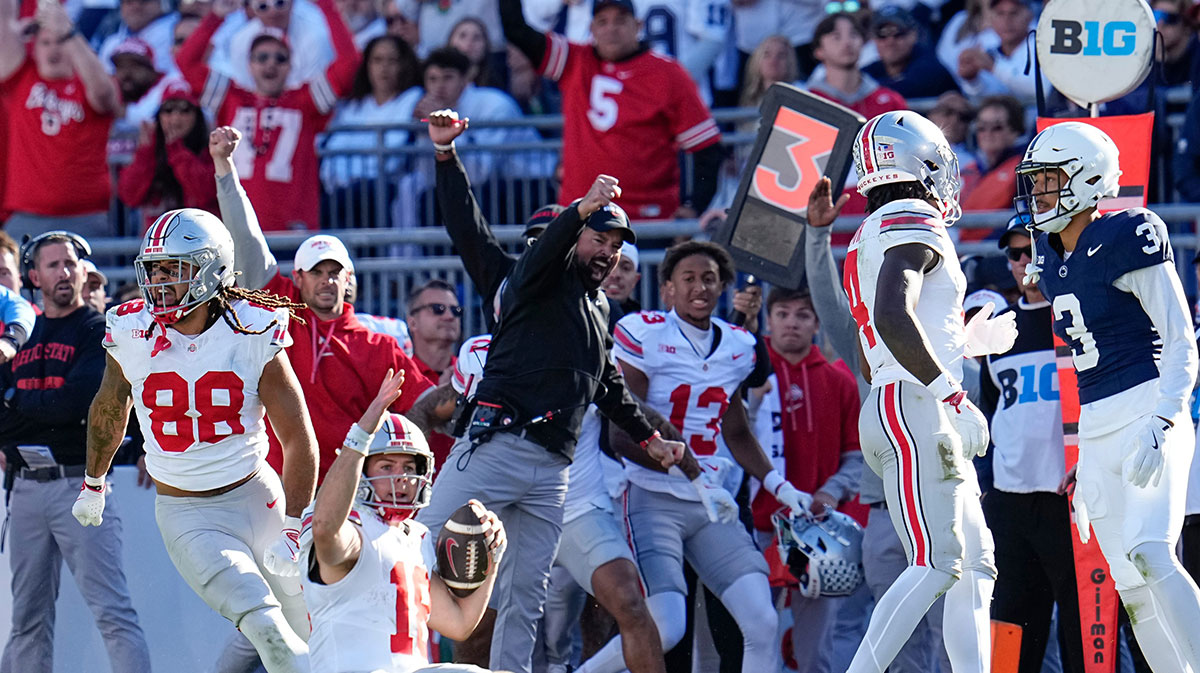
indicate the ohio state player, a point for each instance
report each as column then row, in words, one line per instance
column 917, row 429
column 361, row 543
column 690, row 366
column 278, row 162
column 201, row 361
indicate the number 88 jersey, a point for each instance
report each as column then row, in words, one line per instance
column 196, row 397
column 1113, row 343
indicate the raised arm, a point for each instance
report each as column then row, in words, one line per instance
column 824, row 281
column 531, row 43
column 252, row 256
column 340, row 73
column 191, row 55
column 98, row 87
column 540, row 266
column 336, row 541
column 12, row 45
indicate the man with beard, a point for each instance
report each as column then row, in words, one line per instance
column 548, row 361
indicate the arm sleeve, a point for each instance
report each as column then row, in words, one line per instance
column 691, row 122
column 542, row 265
column 194, row 172
column 69, row 403
column 989, row 394
column 706, row 175
column 18, row 316
column 531, row 43
column 843, row 484
column 829, row 299
column 762, row 364
column 1162, row 297
column 134, row 184
column 617, row 404
column 483, row 258
column 252, row 257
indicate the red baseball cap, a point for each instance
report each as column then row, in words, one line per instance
column 135, row 47
column 180, row 90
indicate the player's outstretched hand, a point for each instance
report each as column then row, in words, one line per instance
column 603, row 192
column 89, row 506
column 990, row 336
column 668, row 452
column 718, row 503
column 223, row 141
column 493, row 532
column 445, row 126
column 969, row 422
column 282, row 558
column 389, row 390
column 1145, row 466
column 822, row 211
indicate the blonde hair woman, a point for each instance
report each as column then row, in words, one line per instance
column 773, row 60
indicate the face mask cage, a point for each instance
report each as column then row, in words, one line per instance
column 946, row 185
column 1025, row 203
column 368, row 493
column 168, row 311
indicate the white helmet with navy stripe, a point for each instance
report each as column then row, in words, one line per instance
column 190, row 236
column 1090, row 167
column 903, row 146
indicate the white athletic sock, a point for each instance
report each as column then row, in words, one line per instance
column 281, row 650
column 967, row 623
column 896, row 614
column 1167, row 608
column 748, row 599
column 669, row 610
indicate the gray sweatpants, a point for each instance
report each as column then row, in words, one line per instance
column 41, row 534
column 883, row 561
column 525, row 485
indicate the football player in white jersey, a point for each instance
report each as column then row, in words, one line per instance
column 691, row 367
column 594, row 548
column 368, row 564
column 917, row 429
column 1119, row 305
column 202, row 361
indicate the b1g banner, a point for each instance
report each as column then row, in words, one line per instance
column 1098, row 602
column 801, row 138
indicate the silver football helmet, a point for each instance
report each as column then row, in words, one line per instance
column 1091, row 171
column 202, row 247
column 824, row 555
column 903, row 146
column 398, row 436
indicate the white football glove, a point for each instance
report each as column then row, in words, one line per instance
column 719, row 505
column 990, row 336
column 1146, row 464
column 969, row 422
column 89, row 506
column 1082, row 522
column 282, row 558
column 798, row 502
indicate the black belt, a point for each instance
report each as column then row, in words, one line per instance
column 44, row 474
column 878, row 505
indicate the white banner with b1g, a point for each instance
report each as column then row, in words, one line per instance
column 1095, row 51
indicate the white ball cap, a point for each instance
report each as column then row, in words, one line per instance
column 320, row 248
column 630, row 252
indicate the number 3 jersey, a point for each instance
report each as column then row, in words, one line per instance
column 1114, row 345
column 939, row 307
column 376, row 617
column 196, row 397
column 692, row 389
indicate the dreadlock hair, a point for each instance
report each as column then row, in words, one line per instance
column 894, row 191
column 260, row 297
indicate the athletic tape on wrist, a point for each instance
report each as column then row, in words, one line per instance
column 358, row 440
column 772, row 482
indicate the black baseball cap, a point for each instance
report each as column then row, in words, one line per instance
column 893, row 16
column 541, row 217
column 612, row 217
column 1016, row 225
column 626, row 5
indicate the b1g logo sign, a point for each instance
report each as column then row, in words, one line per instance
column 1095, row 51
column 1090, row 38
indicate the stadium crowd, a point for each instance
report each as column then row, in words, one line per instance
column 332, row 115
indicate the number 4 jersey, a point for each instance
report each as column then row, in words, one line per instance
column 939, row 308
column 692, row 389
column 197, row 396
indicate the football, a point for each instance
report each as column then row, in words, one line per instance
column 462, row 556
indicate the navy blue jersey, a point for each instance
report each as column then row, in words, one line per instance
column 1113, row 343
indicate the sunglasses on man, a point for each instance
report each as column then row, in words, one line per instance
column 440, row 309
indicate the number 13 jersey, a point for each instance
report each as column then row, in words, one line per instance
column 940, row 305
column 196, row 397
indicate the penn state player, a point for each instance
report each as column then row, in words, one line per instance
column 202, row 361
column 1118, row 303
column 691, row 367
column 360, row 542
column 917, row 429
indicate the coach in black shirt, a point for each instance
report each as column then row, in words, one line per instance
column 43, row 431
column 548, row 360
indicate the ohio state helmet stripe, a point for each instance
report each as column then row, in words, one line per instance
column 868, row 146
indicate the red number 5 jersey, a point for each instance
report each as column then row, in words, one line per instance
column 196, row 397
column 940, row 307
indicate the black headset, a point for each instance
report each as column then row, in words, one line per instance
column 29, row 246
